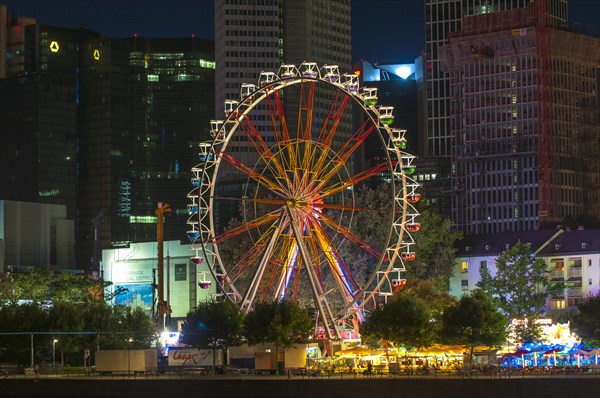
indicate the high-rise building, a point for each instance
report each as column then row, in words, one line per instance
column 39, row 112
column 260, row 35
column 106, row 127
column 524, row 122
column 145, row 106
column 441, row 18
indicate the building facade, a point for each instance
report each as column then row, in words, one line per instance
column 572, row 256
column 107, row 127
column 441, row 18
column 252, row 36
column 524, row 122
column 133, row 269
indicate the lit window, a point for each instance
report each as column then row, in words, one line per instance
column 464, row 266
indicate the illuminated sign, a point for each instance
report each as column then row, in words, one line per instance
column 97, row 54
column 54, row 47
column 124, row 272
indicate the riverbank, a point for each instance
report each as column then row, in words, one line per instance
column 302, row 388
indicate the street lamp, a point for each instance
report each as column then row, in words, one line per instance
column 129, row 357
column 54, row 341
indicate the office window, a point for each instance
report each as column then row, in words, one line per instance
column 180, row 272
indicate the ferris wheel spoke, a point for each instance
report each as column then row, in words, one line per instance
column 249, row 297
column 258, row 177
column 288, row 260
column 329, row 128
column 318, row 294
column 335, row 206
column 282, row 136
column 250, row 256
column 329, row 170
column 305, row 110
column 257, row 222
column 347, row 286
column 272, row 162
column 353, row 180
column 350, row 236
column 254, row 200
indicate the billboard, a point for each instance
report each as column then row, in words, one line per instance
column 194, row 357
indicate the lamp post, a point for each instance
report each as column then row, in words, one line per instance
column 129, row 357
column 54, row 341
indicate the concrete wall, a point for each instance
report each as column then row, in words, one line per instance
column 36, row 235
column 296, row 387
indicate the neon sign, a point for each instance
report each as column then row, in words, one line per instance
column 54, row 47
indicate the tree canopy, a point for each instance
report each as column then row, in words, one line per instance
column 404, row 321
column 586, row 321
column 213, row 324
column 472, row 321
column 519, row 289
column 435, row 250
column 281, row 323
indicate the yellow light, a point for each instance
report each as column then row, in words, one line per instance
column 54, row 47
column 97, row 54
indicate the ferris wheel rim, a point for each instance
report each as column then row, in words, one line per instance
column 231, row 124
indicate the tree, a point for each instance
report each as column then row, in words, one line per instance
column 519, row 288
column 405, row 321
column 435, row 250
column 587, row 320
column 282, row 323
column 214, row 325
column 473, row 321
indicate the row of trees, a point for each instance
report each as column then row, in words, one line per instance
column 69, row 308
column 221, row 324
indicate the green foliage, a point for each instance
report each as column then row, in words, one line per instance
column 587, row 320
column 281, row 323
column 435, row 249
column 40, row 286
column 404, row 321
column 213, row 324
column 474, row 320
column 519, row 288
column 70, row 304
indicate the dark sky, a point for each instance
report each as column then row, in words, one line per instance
column 383, row 30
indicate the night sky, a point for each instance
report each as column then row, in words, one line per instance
column 383, row 30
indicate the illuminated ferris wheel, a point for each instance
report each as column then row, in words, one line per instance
column 284, row 165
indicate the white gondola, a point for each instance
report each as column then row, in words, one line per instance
column 215, row 126
column 399, row 139
column 287, row 71
column 386, row 115
column 331, row 73
column 230, row 106
column 369, row 96
column 309, row 69
column 266, row 78
column 247, row 91
column 350, row 83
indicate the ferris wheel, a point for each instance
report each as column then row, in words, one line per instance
column 277, row 207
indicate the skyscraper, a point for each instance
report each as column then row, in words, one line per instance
column 260, row 35
column 441, row 18
column 107, row 127
column 524, row 122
